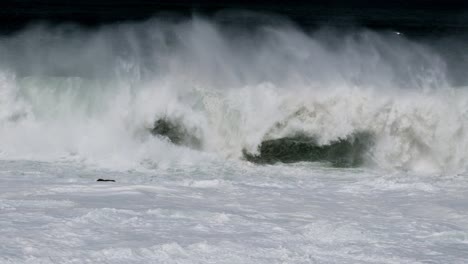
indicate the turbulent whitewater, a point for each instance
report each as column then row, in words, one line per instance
column 92, row 95
column 259, row 142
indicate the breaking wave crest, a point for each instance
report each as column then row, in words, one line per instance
column 124, row 94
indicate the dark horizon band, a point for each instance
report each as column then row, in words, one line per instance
column 411, row 16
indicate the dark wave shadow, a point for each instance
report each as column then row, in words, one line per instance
column 347, row 152
column 176, row 133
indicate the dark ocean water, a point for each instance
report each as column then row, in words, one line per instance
column 416, row 17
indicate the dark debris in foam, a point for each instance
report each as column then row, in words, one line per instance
column 105, row 180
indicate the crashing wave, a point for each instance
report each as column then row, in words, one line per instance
column 266, row 94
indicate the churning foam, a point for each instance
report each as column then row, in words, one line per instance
column 92, row 95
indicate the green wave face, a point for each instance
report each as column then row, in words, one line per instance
column 175, row 132
column 346, row 152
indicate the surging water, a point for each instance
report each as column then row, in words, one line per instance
column 94, row 95
column 174, row 112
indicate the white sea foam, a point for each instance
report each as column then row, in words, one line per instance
column 92, row 95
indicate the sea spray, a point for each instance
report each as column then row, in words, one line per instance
column 94, row 95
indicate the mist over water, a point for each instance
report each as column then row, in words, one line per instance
column 93, row 95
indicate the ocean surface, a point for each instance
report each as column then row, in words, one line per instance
column 239, row 137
